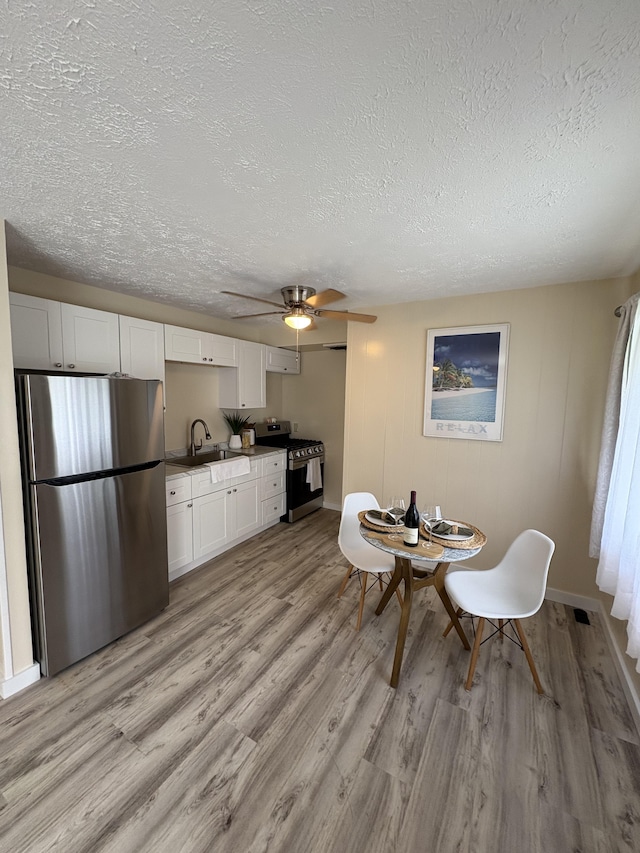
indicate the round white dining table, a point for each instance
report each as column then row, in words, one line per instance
column 436, row 560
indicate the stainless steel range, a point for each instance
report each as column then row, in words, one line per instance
column 305, row 467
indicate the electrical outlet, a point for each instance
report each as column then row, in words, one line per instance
column 295, row 426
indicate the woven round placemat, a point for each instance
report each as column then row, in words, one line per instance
column 379, row 528
column 477, row 540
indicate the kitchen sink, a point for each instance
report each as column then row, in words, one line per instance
column 199, row 458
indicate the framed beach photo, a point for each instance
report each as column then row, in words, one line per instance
column 466, row 373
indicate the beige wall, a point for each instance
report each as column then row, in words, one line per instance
column 315, row 400
column 13, row 561
column 542, row 474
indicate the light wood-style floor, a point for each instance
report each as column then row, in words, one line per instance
column 251, row 717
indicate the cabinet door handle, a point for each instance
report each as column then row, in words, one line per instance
column 210, row 359
column 172, row 493
column 204, row 358
column 71, row 366
column 229, row 492
column 235, row 490
column 189, row 504
column 58, row 364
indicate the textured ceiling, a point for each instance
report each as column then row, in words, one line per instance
column 392, row 149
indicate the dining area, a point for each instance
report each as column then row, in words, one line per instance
column 498, row 597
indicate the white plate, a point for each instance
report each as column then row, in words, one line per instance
column 452, row 537
column 379, row 521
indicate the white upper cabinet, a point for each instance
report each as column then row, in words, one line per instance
column 184, row 345
column 90, row 340
column 50, row 335
column 197, row 347
column 282, row 360
column 246, row 386
column 141, row 348
column 36, row 332
column 223, row 350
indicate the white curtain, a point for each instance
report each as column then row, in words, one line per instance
column 619, row 566
column 627, row 314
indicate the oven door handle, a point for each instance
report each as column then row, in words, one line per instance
column 296, row 464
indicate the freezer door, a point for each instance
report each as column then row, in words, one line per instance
column 78, row 424
column 99, row 562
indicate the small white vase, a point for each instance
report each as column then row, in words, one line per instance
column 235, row 442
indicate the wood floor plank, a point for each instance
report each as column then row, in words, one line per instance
column 618, row 763
column 251, row 717
column 602, row 691
column 440, row 809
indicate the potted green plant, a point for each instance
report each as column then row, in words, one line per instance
column 236, row 421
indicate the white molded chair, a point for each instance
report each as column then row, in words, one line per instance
column 364, row 559
column 509, row 592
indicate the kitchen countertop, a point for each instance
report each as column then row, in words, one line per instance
column 256, row 450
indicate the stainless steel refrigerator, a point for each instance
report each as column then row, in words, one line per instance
column 94, row 493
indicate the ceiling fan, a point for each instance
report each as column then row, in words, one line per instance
column 302, row 304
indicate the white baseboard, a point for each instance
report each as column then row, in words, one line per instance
column 582, row 601
column 619, row 656
column 20, row 681
column 337, row 507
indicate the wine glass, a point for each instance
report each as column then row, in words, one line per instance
column 396, row 509
column 430, row 513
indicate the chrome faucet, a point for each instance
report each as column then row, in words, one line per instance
column 192, row 448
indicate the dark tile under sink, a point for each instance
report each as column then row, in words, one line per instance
column 199, row 458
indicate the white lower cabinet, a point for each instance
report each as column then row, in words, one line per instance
column 205, row 518
column 272, row 488
column 224, row 516
column 210, row 523
column 179, row 523
column 180, row 535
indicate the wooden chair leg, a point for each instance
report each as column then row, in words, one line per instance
column 399, row 594
column 474, row 653
column 345, row 581
column 363, row 592
column 380, row 582
column 527, row 653
column 459, row 612
column 500, row 626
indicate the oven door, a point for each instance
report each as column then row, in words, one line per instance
column 301, row 499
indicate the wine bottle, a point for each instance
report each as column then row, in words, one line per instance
column 411, row 523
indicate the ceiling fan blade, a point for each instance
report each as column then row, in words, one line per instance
column 254, row 298
column 347, row 315
column 324, row 298
column 266, row 314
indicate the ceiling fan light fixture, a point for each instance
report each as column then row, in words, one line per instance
column 297, row 319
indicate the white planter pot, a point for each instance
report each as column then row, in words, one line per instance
column 235, row 442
